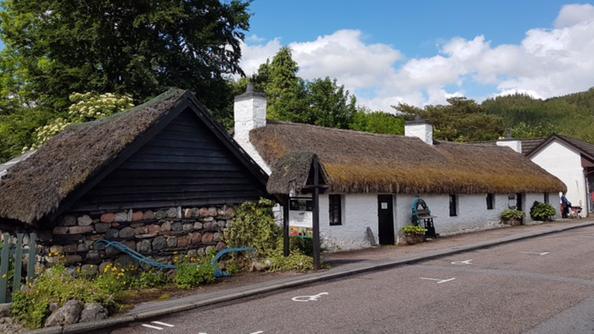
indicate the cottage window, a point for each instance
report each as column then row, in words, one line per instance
column 546, row 198
column 490, row 201
column 453, row 205
column 335, row 209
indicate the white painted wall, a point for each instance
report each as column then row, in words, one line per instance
column 424, row 131
column 472, row 212
column 359, row 211
column 565, row 163
column 249, row 112
column 515, row 145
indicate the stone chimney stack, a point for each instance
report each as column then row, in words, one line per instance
column 419, row 128
column 249, row 112
column 514, row 144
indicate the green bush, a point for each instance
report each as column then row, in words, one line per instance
column 303, row 245
column 152, row 279
column 542, row 211
column 55, row 285
column 189, row 275
column 296, row 261
column 254, row 226
column 512, row 214
column 413, row 229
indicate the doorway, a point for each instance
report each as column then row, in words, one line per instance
column 385, row 210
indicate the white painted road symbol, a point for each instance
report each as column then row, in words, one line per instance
column 439, row 280
column 313, row 298
column 462, row 262
column 159, row 323
column 537, row 253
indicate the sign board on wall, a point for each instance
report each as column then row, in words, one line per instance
column 300, row 212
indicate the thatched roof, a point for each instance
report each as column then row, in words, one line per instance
column 294, row 172
column 364, row 162
column 59, row 171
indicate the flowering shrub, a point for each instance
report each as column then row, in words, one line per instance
column 542, row 211
column 85, row 107
column 413, row 229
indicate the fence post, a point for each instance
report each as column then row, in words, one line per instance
column 32, row 257
column 18, row 263
column 4, row 258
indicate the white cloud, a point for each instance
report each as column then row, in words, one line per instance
column 548, row 62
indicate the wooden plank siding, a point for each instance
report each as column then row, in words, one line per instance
column 183, row 165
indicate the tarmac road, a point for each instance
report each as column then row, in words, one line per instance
column 540, row 285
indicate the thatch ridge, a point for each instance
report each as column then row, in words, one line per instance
column 36, row 186
column 364, row 162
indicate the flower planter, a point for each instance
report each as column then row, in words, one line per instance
column 513, row 222
column 412, row 239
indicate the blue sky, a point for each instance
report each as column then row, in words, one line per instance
column 424, row 51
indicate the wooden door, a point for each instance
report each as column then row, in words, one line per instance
column 385, row 209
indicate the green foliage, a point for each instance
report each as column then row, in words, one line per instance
column 17, row 130
column 527, row 117
column 542, row 211
column 377, row 122
column 301, row 245
column 113, row 279
column 254, row 226
column 512, row 214
column 462, row 120
column 413, row 230
column 284, row 89
column 55, row 285
column 329, row 104
column 189, row 275
column 54, row 48
column 86, row 107
column 296, row 261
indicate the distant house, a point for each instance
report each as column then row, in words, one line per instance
column 162, row 178
column 373, row 179
column 569, row 159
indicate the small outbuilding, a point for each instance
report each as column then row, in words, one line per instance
column 163, row 178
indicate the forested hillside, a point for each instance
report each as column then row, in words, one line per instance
column 572, row 115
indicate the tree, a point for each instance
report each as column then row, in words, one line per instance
column 462, row 120
column 128, row 47
column 284, row 89
column 329, row 104
column 85, row 108
column 377, row 122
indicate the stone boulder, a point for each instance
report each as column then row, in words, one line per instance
column 65, row 315
column 93, row 312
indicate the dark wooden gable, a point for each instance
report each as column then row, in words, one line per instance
column 183, row 165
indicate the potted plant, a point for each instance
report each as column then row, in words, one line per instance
column 512, row 216
column 542, row 211
column 413, row 234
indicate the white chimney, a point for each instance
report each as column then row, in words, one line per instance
column 514, row 144
column 419, row 128
column 249, row 112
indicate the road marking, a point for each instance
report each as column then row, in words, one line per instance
column 537, row 253
column 152, row 327
column 162, row 324
column 258, row 332
column 313, row 298
column 462, row 262
column 439, row 280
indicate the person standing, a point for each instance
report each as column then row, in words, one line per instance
column 565, row 206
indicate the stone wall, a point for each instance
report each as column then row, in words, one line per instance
column 161, row 234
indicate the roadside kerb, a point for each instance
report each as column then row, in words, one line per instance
column 358, row 268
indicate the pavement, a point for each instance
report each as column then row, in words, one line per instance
column 389, row 279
